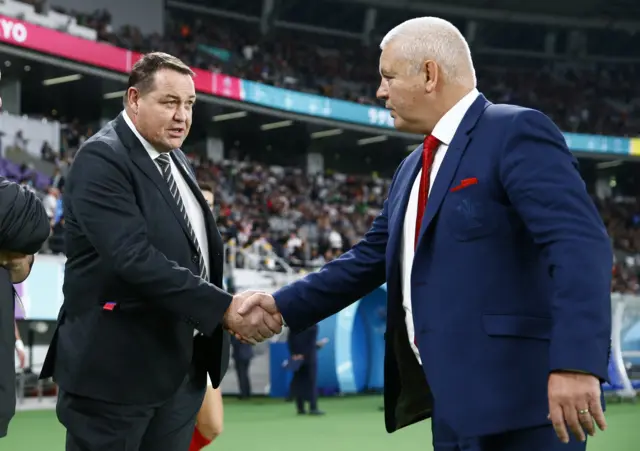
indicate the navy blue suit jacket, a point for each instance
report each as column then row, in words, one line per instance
column 510, row 281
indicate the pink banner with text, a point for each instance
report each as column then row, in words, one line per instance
column 63, row 45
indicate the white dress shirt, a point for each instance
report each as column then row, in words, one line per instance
column 444, row 130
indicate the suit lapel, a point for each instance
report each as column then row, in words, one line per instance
column 451, row 161
column 141, row 159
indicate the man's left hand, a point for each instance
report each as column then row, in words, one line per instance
column 574, row 401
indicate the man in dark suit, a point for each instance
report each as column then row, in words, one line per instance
column 24, row 227
column 497, row 264
column 242, row 354
column 303, row 345
column 143, row 314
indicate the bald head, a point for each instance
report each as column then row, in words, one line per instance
column 425, row 69
column 433, row 39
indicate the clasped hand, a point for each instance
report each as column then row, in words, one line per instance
column 253, row 317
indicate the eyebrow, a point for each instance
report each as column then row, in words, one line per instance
column 175, row 97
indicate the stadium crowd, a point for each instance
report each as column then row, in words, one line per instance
column 579, row 97
column 308, row 221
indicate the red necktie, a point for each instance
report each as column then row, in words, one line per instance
column 429, row 148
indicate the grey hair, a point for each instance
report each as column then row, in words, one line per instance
column 432, row 38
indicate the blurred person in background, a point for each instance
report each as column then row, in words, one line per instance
column 303, row 346
column 24, row 227
column 209, row 421
column 20, row 349
column 208, row 194
column 242, row 353
column 497, row 264
column 143, row 317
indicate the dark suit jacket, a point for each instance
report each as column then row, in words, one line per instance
column 128, row 244
column 24, row 227
column 7, row 352
column 510, row 281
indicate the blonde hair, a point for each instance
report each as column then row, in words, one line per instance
column 432, row 38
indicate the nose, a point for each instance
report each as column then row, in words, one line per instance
column 383, row 92
column 181, row 113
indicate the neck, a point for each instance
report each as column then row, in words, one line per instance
column 130, row 114
column 448, row 98
column 453, row 95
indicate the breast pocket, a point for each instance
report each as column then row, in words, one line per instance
column 517, row 326
column 470, row 214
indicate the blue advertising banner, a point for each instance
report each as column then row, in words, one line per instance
column 315, row 105
column 353, row 359
column 598, row 143
column 341, row 110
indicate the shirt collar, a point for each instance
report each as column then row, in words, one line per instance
column 447, row 126
column 153, row 153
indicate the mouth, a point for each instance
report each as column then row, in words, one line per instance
column 176, row 132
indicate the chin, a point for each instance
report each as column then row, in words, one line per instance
column 400, row 124
column 407, row 127
column 174, row 143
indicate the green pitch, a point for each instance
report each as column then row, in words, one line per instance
column 350, row 423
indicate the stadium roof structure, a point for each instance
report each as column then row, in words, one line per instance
column 592, row 13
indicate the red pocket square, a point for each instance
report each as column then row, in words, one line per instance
column 464, row 183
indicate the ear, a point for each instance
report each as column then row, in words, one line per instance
column 133, row 97
column 431, row 74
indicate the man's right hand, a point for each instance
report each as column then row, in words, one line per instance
column 18, row 265
column 251, row 318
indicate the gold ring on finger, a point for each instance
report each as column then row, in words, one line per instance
column 583, row 411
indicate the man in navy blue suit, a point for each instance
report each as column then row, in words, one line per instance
column 303, row 345
column 497, row 264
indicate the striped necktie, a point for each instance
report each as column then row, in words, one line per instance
column 164, row 160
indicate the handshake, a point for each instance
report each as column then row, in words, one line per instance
column 253, row 317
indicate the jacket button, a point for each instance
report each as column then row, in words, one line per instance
column 194, row 259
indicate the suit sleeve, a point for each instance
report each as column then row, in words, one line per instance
column 104, row 204
column 341, row 282
column 24, row 225
column 542, row 181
